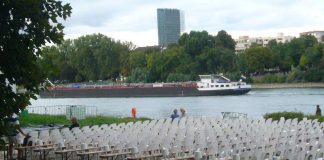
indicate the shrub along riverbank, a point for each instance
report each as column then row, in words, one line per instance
column 37, row 119
column 292, row 115
column 286, row 85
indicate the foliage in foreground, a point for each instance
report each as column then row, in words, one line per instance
column 292, row 115
column 37, row 119
column 25, row 26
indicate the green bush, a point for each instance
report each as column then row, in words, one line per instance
column 178, row 77
column 320, row 118
column 286, row 115
column 296, row 75
column 292, row 115
column 270, row 78
column 139, row 75
column 314, row 75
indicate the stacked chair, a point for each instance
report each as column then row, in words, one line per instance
column 185, row 138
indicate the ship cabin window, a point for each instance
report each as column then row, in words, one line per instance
column 217, row 85
column 211, row 85
column 227, row 85
column 222, row 85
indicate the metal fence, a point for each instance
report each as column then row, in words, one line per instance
column 232, row 115
column 60, row 110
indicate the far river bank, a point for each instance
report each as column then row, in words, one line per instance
column 287, row 85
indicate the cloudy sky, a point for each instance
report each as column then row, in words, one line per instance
column 135, row 20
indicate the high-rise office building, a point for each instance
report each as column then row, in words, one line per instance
column 170, row 25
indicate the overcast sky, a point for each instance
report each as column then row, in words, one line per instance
column 135, row 20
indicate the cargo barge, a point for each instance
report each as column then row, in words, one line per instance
column 209, row 85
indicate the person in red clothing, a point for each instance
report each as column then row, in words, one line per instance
column 134, row 112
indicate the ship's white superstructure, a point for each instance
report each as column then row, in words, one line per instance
column 219, row 82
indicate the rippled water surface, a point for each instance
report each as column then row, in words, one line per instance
column 255, row 103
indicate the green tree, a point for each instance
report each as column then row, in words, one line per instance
column 258, row 59
column 155, row 64
column 139, row 75
column 25, row 26
column 298, row 45
column 195, row 42
column 242, row 63
column 125, row 67
column 50, row 62
column 67, row 72
column 217, row 60
column 225, row 40
column 56, row 59
column 137, row 60
column 311, row 57
column 90, row 57
column 276, row 53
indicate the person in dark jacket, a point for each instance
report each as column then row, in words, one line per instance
column 175, row 114
column 74, row 123
column 318, row 110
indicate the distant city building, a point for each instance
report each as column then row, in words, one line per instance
column 244, row 42
column 170, row 25
column 319, row 35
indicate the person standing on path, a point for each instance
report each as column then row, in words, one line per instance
column 183, row 112
column 318, row 110
column 13, row 137
column 175, row 114
column 134, row 112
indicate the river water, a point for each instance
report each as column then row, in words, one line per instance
column 255, row 104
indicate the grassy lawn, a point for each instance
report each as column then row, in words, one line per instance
column 37, row 119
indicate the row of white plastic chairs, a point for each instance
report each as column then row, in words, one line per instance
column 212, row 137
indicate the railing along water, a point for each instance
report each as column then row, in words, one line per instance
column 61, row 109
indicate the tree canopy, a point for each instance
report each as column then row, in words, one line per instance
column 98, row 57
column 26, row 26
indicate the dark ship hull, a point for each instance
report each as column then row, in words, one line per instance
column 174, row 91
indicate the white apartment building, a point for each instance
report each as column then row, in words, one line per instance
column 244, row 42
column 319, row 35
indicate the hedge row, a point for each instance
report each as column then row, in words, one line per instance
column 292, row 115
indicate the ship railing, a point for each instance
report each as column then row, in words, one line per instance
column 61, row 109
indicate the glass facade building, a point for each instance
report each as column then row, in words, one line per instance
column 170, row 25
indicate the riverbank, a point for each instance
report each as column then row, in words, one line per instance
column 287, row 85
column 50, row 120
